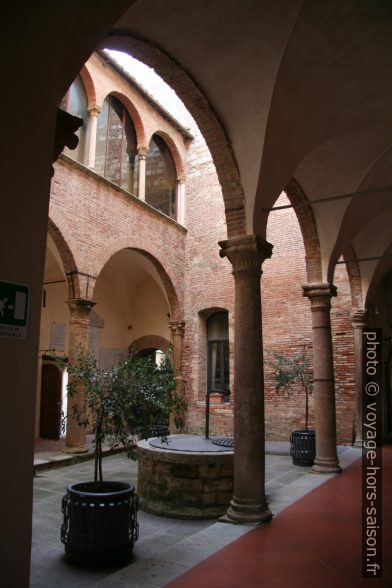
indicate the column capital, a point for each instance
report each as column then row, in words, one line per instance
column 142, row 151
column 93, row 109
column 80, row 285
column 177, row 327
column 246, row 253
column 81, row 304
column 319, row 294
column 359, row 318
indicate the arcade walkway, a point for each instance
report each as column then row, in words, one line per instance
column 168, row 548
column 314, row 543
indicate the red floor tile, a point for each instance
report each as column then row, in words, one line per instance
column 316, row 542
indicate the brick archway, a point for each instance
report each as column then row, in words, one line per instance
column 145, row 248
column 207, row 121
column 66, row 244
column 209, row 310
column 153, row 342
column 88, row 86
column 308, row 228
column 354, row 277
column 382, row 270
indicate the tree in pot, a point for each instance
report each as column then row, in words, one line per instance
column 100, row 517
column 289, row 371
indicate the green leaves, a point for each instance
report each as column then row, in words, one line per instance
column 289, row 370
column 124, row 402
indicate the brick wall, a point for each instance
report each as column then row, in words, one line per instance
column 286, row 313
column 103, row 219
column 208, row 286
column 98, row 219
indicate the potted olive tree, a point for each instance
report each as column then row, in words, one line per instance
column 293, row 376
column 100, row 516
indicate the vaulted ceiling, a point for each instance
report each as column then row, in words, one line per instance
column 303, row 90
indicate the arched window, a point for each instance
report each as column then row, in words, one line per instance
column 116, row 150
column 161, row 177
column 218, row 354
column 75, row 102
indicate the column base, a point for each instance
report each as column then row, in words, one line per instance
column 241, row 512
column 326, row 465
column 358, row 442
column 76, row 449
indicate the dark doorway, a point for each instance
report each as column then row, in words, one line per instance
column 50, row 402
column 148, row 352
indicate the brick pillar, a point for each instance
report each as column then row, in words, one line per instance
column 142, row 152
column 326, row 460
column 249, row 504
column 180, row 201
column 78, row 336
column 177, row 328
column 91, row 139
column 358, row 322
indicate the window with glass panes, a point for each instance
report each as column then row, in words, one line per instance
column 116, row 149
column 218, row 354
column 161, row 177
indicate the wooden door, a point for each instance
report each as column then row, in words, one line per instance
column 50, row 402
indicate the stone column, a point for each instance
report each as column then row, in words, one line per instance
column 75, row 441
column 326, row 460
column 177, row 328
column 249, row 504
column 358, row 322
column 142, row 152
column 91, row 139
column 181, row 201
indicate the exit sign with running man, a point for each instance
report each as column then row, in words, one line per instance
column 14, row 306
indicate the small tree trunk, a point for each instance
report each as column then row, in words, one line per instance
column 306, row 408
column 100, row 461
column 96, row 460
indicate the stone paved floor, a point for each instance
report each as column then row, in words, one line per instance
column 167, row 547
column 313, row 543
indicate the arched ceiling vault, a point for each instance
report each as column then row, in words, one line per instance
column 383, row 269
column 303, row 90
column 356, row 162
column 233, row 51
column 335, row 79
column 363, row 209
column 372, row 248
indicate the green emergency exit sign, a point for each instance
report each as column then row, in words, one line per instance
column 14, row 307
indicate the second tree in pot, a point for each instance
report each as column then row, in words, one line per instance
column 293, row 376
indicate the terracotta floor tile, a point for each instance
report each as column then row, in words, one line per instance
column 314, row 543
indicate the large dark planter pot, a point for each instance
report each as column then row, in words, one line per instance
column 99, row 527
column 303, row 447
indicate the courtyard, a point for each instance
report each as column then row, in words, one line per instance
column 167, row 547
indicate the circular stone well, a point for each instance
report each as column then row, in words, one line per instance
column 186, row 476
